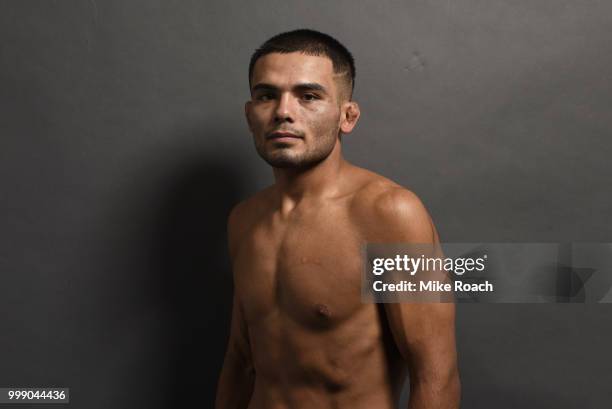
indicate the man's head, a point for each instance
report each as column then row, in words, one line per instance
column 315, row 43
column 301, row 84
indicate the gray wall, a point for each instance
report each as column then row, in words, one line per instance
column 123, row 146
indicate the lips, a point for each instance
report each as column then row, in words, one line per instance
column 282, row 134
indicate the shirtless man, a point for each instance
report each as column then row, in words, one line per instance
column 300, row 335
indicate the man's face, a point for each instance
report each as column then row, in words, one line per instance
column 294, row 112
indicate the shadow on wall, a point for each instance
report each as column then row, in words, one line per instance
column 196, row 278
column 160, row 307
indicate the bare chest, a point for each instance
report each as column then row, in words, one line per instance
column 307, row 270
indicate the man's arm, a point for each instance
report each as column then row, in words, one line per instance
column 423, row 332
column 237, row 375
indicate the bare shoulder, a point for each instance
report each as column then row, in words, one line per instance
column 244, row 215
column 387, row 212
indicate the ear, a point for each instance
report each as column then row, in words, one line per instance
column 350, row 116
column 247, row 114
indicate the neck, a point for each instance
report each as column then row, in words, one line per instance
column 293, row 185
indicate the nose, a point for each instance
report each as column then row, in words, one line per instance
column 284, row 109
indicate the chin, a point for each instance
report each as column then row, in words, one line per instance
column 290, row 159
column 283, row 162
column 292, row 162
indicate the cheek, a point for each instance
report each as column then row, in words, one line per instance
column 258, row 119
column 324, row 119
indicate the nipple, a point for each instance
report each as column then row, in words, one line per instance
column 323, row 311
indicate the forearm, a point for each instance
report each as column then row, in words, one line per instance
column 235, row 385
column 438, row 394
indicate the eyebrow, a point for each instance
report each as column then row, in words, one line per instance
column 306, row 86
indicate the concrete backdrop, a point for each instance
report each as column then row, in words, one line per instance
column 123, row 147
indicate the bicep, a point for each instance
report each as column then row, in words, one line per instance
column 423, row 332
column 237, row 375
column 425, row 335
column 239, row 347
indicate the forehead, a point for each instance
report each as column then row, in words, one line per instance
column 293, row 68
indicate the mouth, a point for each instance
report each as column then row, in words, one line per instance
column 282, row 136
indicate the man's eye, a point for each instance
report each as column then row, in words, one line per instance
column 309, row 97
column 265, row 97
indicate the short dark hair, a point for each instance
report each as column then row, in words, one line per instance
column 310, row 42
